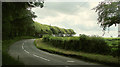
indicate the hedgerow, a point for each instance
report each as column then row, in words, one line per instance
column 90, row 44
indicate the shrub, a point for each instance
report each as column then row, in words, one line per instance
column 94, row 44
column 116, row 52
column 46, row 37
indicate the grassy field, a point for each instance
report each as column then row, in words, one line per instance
column 114, row 44
column 6, row 58
column 110, row 38
column 104, row 59
column 112, row 41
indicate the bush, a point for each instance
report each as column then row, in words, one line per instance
column 46, row 37
column 116, row 52
column 94, row 44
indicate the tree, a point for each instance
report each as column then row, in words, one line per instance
column 41, row 29
column 108, row 13
column 71, row 32
column 17, row 18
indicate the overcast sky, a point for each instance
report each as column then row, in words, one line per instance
column 78, row 16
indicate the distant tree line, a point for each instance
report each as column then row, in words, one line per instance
column 42, row 29
column 17, row 20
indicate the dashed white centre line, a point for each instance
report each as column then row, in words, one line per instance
column 41, row 57
column 26, row 51
column 34, row 54
column 70, row 61
column 22, row 46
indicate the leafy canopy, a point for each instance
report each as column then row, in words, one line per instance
column 108, row 13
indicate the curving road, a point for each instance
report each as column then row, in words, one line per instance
column 26, row 52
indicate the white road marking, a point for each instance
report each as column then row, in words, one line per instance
column 34, row 54
column 41, row 57
column 26, row 51
column 70, row 61
column 22, row 46
column 44, row 58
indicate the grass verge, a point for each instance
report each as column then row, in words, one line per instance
column 6, row 58
column 104, row 59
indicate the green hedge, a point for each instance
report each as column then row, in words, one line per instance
column 91, row 44
column 94, row 44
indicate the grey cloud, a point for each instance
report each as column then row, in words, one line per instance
column 66, row 7
column 53, row 8
column 78, row 27
column 86, row 28
column 70, row 24
column 44, row 13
